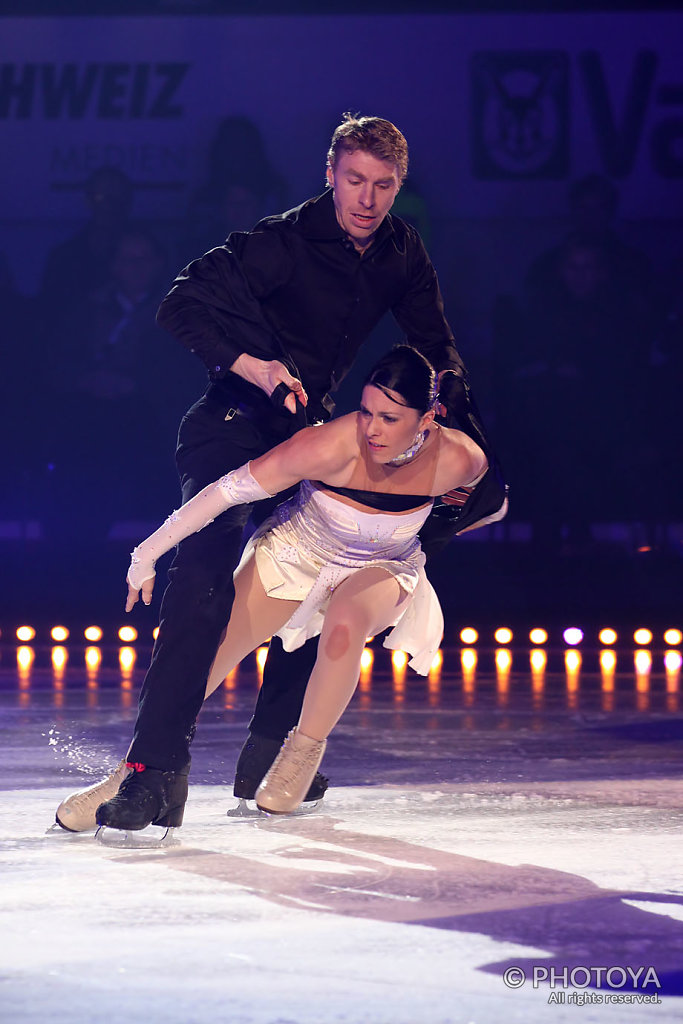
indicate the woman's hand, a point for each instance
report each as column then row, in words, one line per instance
column 140, row 575
column 269, row 374
column 133, row 595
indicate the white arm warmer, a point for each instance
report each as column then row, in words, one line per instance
column 236, row 488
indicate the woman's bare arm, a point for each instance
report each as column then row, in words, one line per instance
column 312, row 453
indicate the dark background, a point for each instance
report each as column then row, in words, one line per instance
column 566, row 308
column 264, row 7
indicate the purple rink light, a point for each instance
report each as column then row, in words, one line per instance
column 572, row 636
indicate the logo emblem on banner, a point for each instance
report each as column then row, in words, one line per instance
column 519, row 114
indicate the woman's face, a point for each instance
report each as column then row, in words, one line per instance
column 389, row 427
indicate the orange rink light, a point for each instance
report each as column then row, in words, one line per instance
column 538, row 659
column 59, row 633
column 25, row 633
column 93, row 657
column 468, row 635
column 503, row 659
column 59, row 657
column 607, row 636
column 503, row 635
column 608, row 661
column 572, row 661
column 643, row 637
column 366, row 659
column 468, row 659
column 25, row 657
column 399, row 659
column 127, row 658
column 437, row 662
column 673, row 637
column 673, row 661
column 128, row 634
column 643, row 662
column 538, row 635
column 92, row 633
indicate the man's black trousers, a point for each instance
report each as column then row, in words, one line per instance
column 219, row 433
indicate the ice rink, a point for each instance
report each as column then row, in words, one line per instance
column 501, row 842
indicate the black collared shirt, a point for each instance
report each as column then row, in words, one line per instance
column 318, row 297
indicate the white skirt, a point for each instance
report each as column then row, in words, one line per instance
column 313, row 542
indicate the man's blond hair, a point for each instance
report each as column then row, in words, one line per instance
column 374, row 135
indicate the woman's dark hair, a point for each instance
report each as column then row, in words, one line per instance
column 405, row 370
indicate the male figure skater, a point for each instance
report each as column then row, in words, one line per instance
column 277, row 315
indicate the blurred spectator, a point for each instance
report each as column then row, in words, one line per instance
column 241, row 187
column 411, row 207
column 574, row 385
column 593, row 208
column 113, row 420
column 667, row 370
column 76, row 267
column 17, row 314
column 573, row 395
column 17, row 384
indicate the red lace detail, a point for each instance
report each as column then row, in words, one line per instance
column 136, row 766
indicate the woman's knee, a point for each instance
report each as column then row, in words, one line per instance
column 346, row 628
column 337, row 643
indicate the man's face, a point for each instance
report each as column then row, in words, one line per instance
column 364, row 191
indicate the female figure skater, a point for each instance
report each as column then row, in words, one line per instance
column 340, row 559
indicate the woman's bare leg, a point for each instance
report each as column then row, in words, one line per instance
column 253, row 620
column 361, row 606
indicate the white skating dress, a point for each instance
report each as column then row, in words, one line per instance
column 313, row 542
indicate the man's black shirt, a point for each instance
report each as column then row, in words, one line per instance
column 295, row 288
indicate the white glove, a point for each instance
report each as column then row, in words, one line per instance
column 236, row 488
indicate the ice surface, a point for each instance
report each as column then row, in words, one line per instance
column 457, row 841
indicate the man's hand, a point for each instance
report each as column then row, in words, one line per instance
column 450, row 391
column 133, row 594
column 268, row 374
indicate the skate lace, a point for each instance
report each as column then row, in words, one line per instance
column 83, row 799
column 134, row 784
column 133, row 792
column 290, row 762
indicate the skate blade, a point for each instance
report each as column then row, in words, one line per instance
column 244, row 809
column 151, row 838
column 57, row 831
